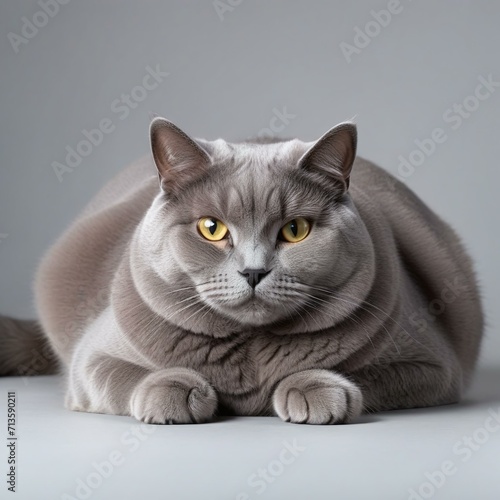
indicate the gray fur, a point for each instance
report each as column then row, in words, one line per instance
column 149, row 319
column 24, row 349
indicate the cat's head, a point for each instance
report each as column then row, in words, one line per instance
column 261, row 234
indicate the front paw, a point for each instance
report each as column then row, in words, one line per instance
column 173, row 396
column 317, row 397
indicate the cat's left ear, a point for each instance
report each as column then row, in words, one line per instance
column 178, row 158
column 333, row 154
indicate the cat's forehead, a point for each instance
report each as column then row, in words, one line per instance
column 259, row 154
column 251, row 181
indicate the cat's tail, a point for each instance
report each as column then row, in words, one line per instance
column 24, row 350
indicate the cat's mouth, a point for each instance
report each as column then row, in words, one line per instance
column 253, row 306
column 253, row 309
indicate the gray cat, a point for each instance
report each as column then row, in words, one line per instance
column 260, row 278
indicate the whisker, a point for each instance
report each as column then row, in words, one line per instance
column 354, row 318
column 403, row 329
column 196, row 312
column 355, row 304
column 303, row 308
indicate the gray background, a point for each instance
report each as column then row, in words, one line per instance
column 226, row 79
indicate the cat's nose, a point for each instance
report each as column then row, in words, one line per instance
column 254, row 276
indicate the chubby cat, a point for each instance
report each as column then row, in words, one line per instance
column 257, row 278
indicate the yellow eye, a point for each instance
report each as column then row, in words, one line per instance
column 295, row 230
column 212, row 229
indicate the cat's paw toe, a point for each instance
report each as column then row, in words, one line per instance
column 173, row 396
column 317, row 397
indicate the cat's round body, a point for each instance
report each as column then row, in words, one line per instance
column 376, row 306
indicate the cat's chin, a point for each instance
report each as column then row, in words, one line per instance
column 255, row 319
column 253, row 312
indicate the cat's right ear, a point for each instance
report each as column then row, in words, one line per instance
column 178, row 158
